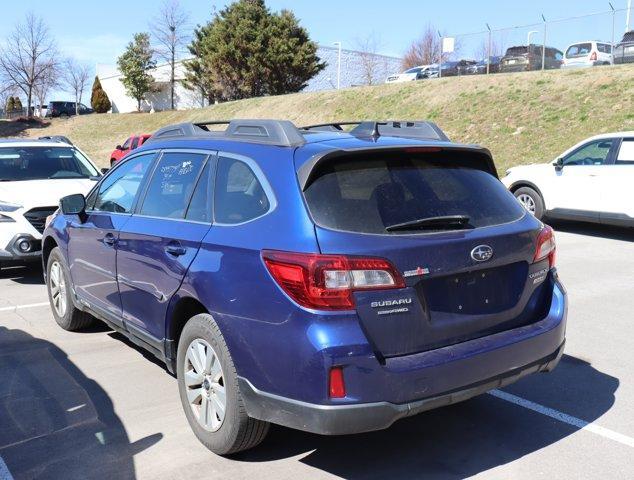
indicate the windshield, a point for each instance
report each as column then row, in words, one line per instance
column 39, row 163
column 376, row 193
column 414, row 70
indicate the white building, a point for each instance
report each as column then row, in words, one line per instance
column 356, row 67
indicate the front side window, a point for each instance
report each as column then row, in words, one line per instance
column 199, row 209
column 626, row 153
column 593, row 153
column 135, row 143
column 118, row 190
column 172, row 185
column 376, row 192
column 239, row 195
column 126, row 144
column 40, row 163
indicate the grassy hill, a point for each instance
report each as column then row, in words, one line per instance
column 521, row 118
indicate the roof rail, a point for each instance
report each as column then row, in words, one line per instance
column 271, row 132
column 418, row 129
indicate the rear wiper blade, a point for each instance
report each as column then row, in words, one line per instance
column 453, row 222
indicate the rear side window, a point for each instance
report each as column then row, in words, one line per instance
column 579, row 50
column 367, row 195
column 604, row 48
column 172, row 185
column 238, row 195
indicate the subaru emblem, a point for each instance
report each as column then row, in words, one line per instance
column 482, row 253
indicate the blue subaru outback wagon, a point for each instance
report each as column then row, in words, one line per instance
column 331, row 278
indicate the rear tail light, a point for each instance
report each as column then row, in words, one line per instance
column 546, row 246
column 327, row 282
column 336, row 384
column 593, row 56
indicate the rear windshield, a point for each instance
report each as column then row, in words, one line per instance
column 38, row 163
column 368, row 194
column 516, row 51
column 579, row 50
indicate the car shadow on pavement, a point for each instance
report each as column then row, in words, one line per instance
column 594, row 230
column 456, row 441
column 23, row 274
column 54, row 421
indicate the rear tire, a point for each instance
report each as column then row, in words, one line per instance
column 59, row 290
column 531, row 200
column 206, row 375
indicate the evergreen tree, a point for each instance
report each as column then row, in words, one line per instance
column 134, row 65
column 10, row 105
column 17, row 104
column 248, row 51
column 99, row 100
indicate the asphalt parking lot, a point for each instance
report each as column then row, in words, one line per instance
column 92, row 405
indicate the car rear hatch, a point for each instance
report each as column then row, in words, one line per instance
column 467, row 273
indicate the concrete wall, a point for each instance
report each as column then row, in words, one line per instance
column 353, row 73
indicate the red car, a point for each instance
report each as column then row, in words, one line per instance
column 130, row 144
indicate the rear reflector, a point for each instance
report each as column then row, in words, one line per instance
column 546, row 246
column 593, row 57
column 327, row 282
column 336, row 385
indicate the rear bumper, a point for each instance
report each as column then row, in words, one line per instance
column 429, row 380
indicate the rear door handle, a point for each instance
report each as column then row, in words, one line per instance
column 176, row 249
column 109, row 239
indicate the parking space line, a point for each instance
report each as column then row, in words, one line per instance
column 20, row 307
column 564, row 418
column 5, row 474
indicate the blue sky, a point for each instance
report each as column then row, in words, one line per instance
column 97, row 31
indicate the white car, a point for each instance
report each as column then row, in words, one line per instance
column 592, row 181
column 587, row 54
column 415, row 73
column 34, row 175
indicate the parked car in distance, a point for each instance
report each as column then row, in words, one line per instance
column 480, row 67
column 324, row 280
column 66, row 109
column 624, row 51
column 591, row 181
column 133, row 142
column 463, row 66
column 411, row 74
column 34, row 175
column 523, row 58
column 587, row 54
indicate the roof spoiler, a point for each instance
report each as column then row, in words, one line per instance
column 413, row 129
column 306, row 173
column 270, row 132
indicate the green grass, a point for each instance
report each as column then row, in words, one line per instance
column 522, row 118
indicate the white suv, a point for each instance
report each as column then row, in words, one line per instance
column 587, row 54
column 34, row 175
column 591, row 181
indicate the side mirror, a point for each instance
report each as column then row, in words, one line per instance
column 559, row 164
column 73, row 205
column 105, row 170
column 118, row 147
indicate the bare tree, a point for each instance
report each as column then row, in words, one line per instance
column 28, row 56
column 75, row 79
column 426, row 49
column 370, row 60
column 169, row 32
column 44, row 85
column 482, row 50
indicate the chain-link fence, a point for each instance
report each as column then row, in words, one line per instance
column 598, row 38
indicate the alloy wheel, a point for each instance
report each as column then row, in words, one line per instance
column 204, row 381
column 528, row 202
column 57, row 285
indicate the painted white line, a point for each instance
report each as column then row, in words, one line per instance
column 564, row 418
column 5, row 474
column 20, row 307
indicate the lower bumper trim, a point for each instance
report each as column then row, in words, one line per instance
column 366, row 417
